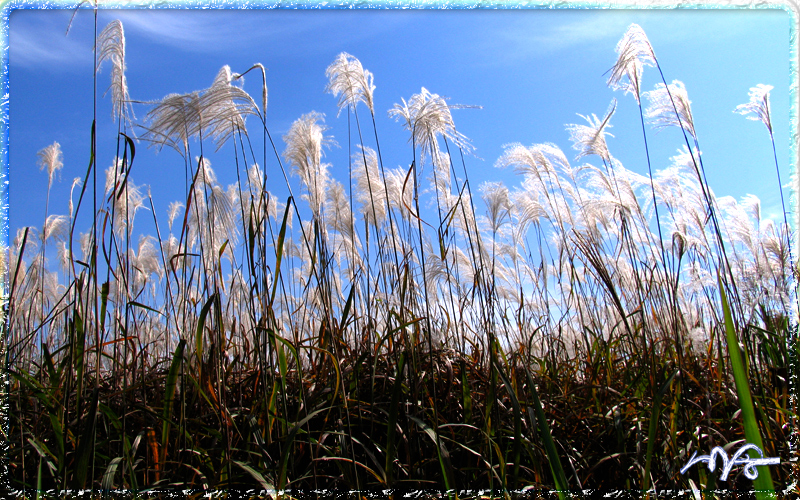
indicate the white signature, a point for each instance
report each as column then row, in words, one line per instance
column 749, row 463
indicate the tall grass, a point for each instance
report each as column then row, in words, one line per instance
column 390, row 331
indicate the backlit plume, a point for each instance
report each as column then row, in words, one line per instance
column 670, row 106
column 633, row 54
column 50, row 159
column 303, row 152
column 350, row 82
column 111, row 47
column 426, row 116
column 758, row 105
column 591, row 139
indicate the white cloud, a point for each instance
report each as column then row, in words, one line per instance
column 192, row 30
column 558, row 31
column 38, row 39
column 219, row 30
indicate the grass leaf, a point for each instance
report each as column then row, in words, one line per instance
column 765, row 489
column 553, row 459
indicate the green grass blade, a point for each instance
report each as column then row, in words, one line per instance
column 108, row 475
column 652, row 431
column 47, row 358
column 169, row 394
column 765, row 489
column 466, row 393
column 43, row 451
column 279, row 250
column 347, row 306
column 442, row 453
column 201, row 323
column 553, row 459
column 517, row 423
column 133, row 303
column 104, row 289
column 78, row 351
column 283, row 363
column 39, row 480
column 59, row 437
column 392, row 424
column 287, row 446
column 86, row 445
column 256, row 475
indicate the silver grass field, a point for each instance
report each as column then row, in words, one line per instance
column 588, row 328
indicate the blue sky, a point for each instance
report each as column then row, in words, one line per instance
column 532, row 72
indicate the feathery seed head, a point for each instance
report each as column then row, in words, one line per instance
column 350, row 82
column 255, row 178
column 684, row 159
column 495, row 195
column 174, row 120
column 678, row 244
column 212, row 217
column 30, row 243
column 337, row 209
column 55, row 227
column 170, row 248
column 4, row 268
column 64, row 255
column 111, row 43
column 86, row 244
column 224, row 106
column 113, row 177
column 217, row 112
column 370, row 189
column 426, row 116
column 237, row 76
column 591, row 139
column 633, row 53
column 670, row 106
column 526, row 210
column 304, row 143
column 752, row 206
column 399, row 198
column 127, row 201
column 172, row 212
column 539, row 161
column 205, row 175
column 147, row 259
column 50, row 158
column 758, row 105
column 111, row 47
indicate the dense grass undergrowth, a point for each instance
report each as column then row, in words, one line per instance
column 385, row 335
column 230, row 431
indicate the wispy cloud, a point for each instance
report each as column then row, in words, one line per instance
column 39, row 40
column 190, row 30
column 535, row 34
column 581, row 32
column 545, row 33
column 210, row 31
column 37, row 37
